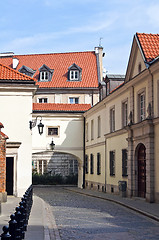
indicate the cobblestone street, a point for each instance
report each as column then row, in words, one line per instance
column 83, row 217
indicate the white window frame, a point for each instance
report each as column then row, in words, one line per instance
column 92, row 129
column 74, row 102
column 141, row 106
column 44, row 76
column 125, row 113
column 74, row 75
column 36, row 166
column 112, row 119
column 87, row 138
column 99, row 127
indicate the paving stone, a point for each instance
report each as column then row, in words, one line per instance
column 83, row 217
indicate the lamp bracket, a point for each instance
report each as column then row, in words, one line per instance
column 34, row 122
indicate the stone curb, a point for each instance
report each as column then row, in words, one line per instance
column 50, row 228
column 118, row 202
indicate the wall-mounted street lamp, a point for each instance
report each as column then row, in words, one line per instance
column 52, row 145
column 40, row 125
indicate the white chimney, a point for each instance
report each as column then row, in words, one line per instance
column 15, row 63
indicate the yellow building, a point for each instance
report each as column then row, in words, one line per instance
column 122, row 130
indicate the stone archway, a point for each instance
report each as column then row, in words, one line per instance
column 55, row 163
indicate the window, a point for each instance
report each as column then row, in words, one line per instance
column 125, row 113
column 112, row 120
column 112, row 163
column 141, row 106
column 139, row 68
column 53, row 131
column 45, row 73
column 99, row 126
column 86, row 164
column 86, row 132
column 73, row 100
column 44, row 76
column 98, row 164
column 74, row 75
column 27, row 71
column 40, row 166
column 42, row 100
column 124, row 162
column 92, row 164
column 92, row 129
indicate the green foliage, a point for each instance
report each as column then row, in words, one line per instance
column 47, row 179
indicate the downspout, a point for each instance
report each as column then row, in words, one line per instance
column 92, row 99
column 84, row 151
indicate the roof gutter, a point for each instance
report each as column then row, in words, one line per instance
column 52, row 111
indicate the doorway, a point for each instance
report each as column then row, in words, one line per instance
column 142, row 171
column 9, row 175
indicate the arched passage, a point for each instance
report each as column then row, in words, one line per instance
column 55, row 163
column 141, row 166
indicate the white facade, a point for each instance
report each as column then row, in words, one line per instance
column 69, row 139
column 16, row 111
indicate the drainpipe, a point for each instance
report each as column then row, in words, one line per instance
column 92, row 99
column 84, row 151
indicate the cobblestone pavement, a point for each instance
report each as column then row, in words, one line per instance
column 82, row 217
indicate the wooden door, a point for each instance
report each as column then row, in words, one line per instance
column 142, row 171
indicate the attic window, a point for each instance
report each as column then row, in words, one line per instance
column 27, row 71
column 44, row 76
column 74, row 73
column 45, row 73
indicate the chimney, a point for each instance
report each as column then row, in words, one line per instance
column 6, row 54
column 15, row 63
column 99, row 55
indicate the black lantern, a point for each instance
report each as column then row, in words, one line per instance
column 40, row 127
column 52, row 145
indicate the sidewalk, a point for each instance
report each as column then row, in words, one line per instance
column 42, row 225
column 35, row 228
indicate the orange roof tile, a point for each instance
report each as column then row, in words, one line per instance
column 60, row 62
column 7, row 73
column 59, row 107
column 4, row 135
column 149, row 44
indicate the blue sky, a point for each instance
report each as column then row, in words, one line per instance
column 43, row 26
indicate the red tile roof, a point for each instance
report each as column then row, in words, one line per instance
column 5, row 136
column 59, row 107
column 7, row 73
column 149, row 44
column 60, row 62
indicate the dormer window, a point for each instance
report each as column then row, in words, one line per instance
column 45, row 73
column 74, row 73
column 44, row 76
column 27, row 71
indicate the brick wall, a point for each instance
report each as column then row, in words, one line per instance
column 3, row 138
